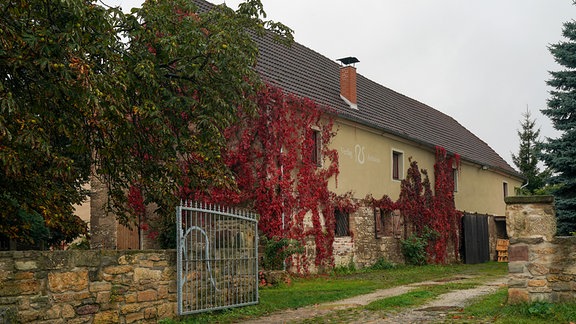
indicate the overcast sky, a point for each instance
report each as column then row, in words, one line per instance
column 481, row 62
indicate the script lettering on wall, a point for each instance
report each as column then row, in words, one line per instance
column 359, row 154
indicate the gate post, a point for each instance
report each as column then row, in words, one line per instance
column 531, row 226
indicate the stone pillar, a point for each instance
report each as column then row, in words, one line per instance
column 531, row 217
column 531, row 226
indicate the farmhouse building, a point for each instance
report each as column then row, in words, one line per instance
column 378, row 132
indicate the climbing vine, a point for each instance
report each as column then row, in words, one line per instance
column 426, row 213
column 446, row 217
column 271, row 156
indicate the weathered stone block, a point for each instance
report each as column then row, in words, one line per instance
column 540, row 297
column 134, row 317
column 39, row 302
column 517, row 283
column 147, row 295
column 518, row 253
column 86, row 258
column 103, row 297
column 25, row 265
column 67, row 281
column 28, row 287
column 100, row 286
column 538, row 290
column 556, row 278
column 54, row 312
column 537, row 283
column 561, row 286
column 24, row 275
column 562, row 297
column 127, row 259
column 131, row 297
column 516, row 267
column 106, row 317
column 537, row 269
column 517, row 296
column 74, row 298
column 115, row 270
column 68, row 311
column 150, row 313
column 56, row 260
column 29, row 316
column 166, row 310
column 141, row 274
column 130, row 308
column 87, row 309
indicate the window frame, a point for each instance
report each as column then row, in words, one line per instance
column 455, row 178
column 397, row 165
column 316, row 155
column 338, row 214
column 387, row 223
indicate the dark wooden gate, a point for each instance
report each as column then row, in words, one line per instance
column 476, row 239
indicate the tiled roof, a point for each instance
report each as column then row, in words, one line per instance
column 306, row 73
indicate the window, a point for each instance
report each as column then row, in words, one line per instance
column 397, row 165
column 342, row 223
column 387, row 223
column 505, row 189
column 316, row 147
column 455, row 179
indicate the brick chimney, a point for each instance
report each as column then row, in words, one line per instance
column 348, row 81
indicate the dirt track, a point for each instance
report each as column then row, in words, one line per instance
column 438, row 310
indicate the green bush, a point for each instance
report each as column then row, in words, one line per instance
column 414, row 247
column 276, row 250
column 414, row 250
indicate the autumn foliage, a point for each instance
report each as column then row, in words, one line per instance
column 428, row 212
column 279, row 174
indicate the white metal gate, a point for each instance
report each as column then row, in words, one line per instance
column 217, row 257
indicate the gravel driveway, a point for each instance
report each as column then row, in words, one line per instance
column 435, row 311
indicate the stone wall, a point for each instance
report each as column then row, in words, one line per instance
column 85, row 286
column 362, row 247
column 542, row 266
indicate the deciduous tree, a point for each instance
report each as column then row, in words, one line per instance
column 140, row 99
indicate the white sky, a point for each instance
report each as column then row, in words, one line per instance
column 481, row 62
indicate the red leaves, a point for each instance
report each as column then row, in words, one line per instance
column 423, row 210
column 269, row 155
column 135, row 201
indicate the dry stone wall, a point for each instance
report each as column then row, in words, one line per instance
column 362, row 247
column 542, row 266
column 94, row 286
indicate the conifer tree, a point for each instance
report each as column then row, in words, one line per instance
column 527, row 158
column 560, row 153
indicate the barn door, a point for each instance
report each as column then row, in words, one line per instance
column 476, row 246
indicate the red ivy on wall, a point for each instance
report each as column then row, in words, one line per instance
column 270, row 156
column 424, row 210
column 446, row 220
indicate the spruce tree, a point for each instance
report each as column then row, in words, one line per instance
column 527, row 159
column 560, row 153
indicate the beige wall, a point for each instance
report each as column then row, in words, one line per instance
column 365, row 158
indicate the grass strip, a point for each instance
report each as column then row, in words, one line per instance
column 493, row 308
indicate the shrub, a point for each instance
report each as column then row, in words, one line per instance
column 414, row 247
column 277, row 250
